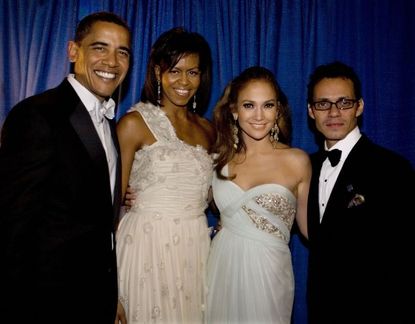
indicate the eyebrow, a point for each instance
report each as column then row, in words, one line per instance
column 106, row 44
column 98, row 43
column 328, row 99
column 189, row 69
column 265, row 101
column 127, row 49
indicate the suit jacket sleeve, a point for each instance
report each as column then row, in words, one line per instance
column 25, row 161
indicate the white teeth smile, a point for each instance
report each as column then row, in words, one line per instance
column 106, row 75
column 258, row 126
column 182, row 92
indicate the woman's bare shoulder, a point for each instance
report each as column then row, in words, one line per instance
column 131, row 119
column 296, row 156
column 132, row 127
column 208, row 128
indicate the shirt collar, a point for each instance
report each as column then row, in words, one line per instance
column 347, row 143
column 87, row 98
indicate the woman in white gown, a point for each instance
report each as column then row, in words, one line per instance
column 260, row 187
column 163, row 240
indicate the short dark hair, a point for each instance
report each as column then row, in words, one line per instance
column 87, row 22
column 332, row 70
column 167, row 50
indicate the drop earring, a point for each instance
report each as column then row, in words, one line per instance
column 194, row 104
column 273, row 135
column 235, row 136
column 158, row 92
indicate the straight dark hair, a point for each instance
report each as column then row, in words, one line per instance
column 166, row 52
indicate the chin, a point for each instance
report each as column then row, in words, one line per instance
column 105, row 93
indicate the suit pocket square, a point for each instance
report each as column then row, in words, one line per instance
column 356, row 201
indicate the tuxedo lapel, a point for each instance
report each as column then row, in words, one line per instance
column 84, row 127
column 340, row 195
column 82, row 124
column 117, row 188
column 313, row 204
column 344, row 188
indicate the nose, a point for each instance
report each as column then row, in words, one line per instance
column 258, row 113
column 183, row 78
column 111, row 59
column 334, row 111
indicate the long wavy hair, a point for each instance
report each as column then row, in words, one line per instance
column 224, row 121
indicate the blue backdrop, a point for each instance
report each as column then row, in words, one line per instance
column 290, row 37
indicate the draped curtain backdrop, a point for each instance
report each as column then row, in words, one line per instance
column 290, row 37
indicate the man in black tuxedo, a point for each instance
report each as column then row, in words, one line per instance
column 60, row 187
column 359, row 213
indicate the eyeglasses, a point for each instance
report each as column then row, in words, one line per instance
column 341, row 104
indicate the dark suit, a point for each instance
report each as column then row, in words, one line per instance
column 56, row 214
column 360, row 255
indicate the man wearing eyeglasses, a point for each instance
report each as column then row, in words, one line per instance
column 358, row 212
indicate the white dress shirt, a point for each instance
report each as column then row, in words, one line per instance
column 329, row 174
column 101, row 126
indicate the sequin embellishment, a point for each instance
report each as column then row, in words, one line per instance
column 277, row 205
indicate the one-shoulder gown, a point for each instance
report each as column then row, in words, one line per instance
column 163, row 241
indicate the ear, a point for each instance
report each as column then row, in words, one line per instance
column 157, row 72
column 73, row 51
column 310, row 112
column 359, row 110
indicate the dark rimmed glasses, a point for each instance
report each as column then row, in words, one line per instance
column 342, row 103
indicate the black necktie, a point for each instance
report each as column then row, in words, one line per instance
column 334, row 156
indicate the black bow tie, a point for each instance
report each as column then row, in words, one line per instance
column 334, row 156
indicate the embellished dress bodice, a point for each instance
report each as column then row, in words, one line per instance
column 177, row 174
column 250, row 276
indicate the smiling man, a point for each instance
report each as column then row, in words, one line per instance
column 60, row 187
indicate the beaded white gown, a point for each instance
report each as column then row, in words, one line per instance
column 249, row 273
column 163, row 241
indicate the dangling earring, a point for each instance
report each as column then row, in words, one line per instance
column 235, row 131
column 273, row 136
column 194, row 104
column 158, row 92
